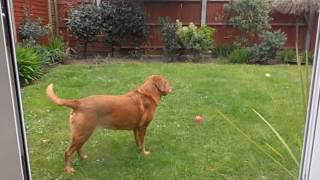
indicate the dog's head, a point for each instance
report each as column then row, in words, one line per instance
column 160, row 83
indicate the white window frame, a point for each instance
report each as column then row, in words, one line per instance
column 14, row 160
column 310, row 159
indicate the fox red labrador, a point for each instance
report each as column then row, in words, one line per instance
column 131, row 111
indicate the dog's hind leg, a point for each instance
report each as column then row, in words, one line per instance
column 80, row 133
column 78, row 140
column 67, row 158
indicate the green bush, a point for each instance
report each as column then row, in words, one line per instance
column 223, row 50
column 50, row 54
column 250, row 16
column 239, row 56
column 304, row 56
column 268, row 48
column 32, row 29
column 172, row 46
column 286, row 55
column 179, row 40
column 195, row 39
column 29, row 65
column 56, row 49
column 85, row 23
column 206, row 37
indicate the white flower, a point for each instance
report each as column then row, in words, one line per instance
column 267, row 75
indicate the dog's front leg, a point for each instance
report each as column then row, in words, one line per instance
column 142, row 133
column 136, row 136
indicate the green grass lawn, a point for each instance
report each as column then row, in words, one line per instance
column 180, row 149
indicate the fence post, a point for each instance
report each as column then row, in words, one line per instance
column 203, row 12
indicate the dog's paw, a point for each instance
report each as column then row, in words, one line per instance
column 69, row 170
column 146, row 152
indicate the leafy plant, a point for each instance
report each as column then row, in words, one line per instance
column 172, row 45
column 31, row 29
column 85, row 23
column 29, row 65
column 223, row 50
column 39, row 49
column 286, row 55
column 195, row 39
column 56, row 49
column 239, row 56
column 307, row 57
column 250, row 16
column 206, row 37
column 122, row 19
column 268, row 48
column 179, row 40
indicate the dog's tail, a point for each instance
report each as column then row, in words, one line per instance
column 61, row 102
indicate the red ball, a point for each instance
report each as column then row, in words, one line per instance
column 198, row 119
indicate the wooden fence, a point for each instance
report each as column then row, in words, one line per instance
column 184, row 10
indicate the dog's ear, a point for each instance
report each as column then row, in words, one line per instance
column 162, row 85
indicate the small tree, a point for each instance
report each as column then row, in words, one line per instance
column 122, row 19
column 84, row 23
column 250, row 16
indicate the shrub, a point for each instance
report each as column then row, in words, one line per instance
column 56, row 49
column 239, row 56
column 206, row 36
column 32, row 30
column 179, row 40
column 268, row 48
column 29, row 66
column 286, row 55
column 223, row 50
column 304, row 56
column 40, row 50
column 195, row 39
column 52, row 53
column 85, row 23
column 172, row 45
column 250, row 16
column 122, row 19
